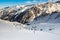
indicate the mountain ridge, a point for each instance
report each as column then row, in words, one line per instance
column 27, row 14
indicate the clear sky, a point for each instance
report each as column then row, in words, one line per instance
column 4, row 3
column 19, row 0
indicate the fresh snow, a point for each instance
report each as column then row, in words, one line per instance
column 16, row 31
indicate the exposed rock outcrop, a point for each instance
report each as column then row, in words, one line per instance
column 28, row 14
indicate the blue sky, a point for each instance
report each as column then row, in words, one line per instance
column 4, row 3
column 19, row 0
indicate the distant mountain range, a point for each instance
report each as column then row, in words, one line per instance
column 47, row 12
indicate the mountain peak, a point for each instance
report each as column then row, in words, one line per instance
column 25, row 14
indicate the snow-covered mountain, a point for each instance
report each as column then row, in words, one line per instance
column 28, row 13
column 30, row 22
column 34, row 17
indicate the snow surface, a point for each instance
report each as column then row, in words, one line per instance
column 11, row 31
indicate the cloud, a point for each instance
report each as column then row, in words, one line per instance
column 34, row 1
column 28, row 2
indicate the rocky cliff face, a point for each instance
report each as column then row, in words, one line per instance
column 28, row 14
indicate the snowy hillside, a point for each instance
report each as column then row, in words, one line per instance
column 8, row 31
column 33, row 17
